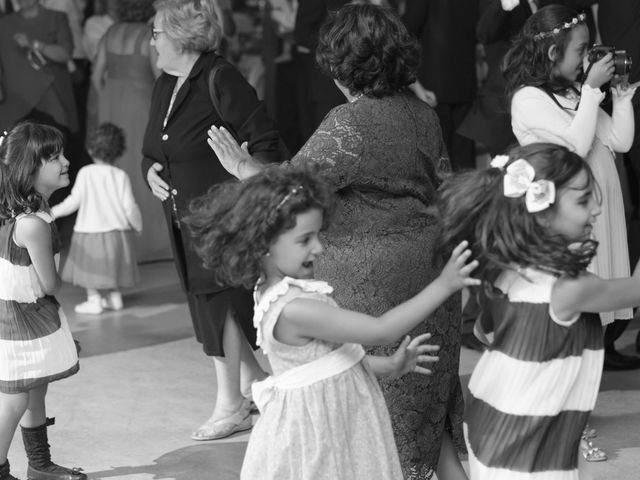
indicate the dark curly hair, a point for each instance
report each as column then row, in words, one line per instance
column 135, row 11
column 500, row 230
column 368, row 50
column 235, row 223
column 22, row 152
column 106, row 142
column 527, row 62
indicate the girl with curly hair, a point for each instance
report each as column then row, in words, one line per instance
column 323, row 398
column 383, row 155
column 529, row 220
column 108, row 216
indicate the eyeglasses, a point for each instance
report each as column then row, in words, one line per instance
column 155, row 32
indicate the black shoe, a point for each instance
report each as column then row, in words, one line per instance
column 617, row 361
column 638, row 342
column 470, row 341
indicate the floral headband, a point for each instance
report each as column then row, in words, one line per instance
column 518, row 181
column 563, row 26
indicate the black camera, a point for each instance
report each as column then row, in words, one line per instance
column 621, row 59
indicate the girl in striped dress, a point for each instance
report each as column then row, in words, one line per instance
column 529, row 219
column 36, row 346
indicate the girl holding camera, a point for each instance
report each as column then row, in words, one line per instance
column 543, row 70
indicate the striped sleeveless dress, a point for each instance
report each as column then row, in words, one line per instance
column 36, row 346
column 533, row 390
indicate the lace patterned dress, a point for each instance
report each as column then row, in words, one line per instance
column 385, row 158
column 334, row 428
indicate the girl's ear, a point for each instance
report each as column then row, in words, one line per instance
column 552, row 53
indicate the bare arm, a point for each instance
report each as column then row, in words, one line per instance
column 303, row 319
column 34, row 234
column 590, row 293
column 99, row 66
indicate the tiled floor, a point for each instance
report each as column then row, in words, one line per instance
column 144, row 385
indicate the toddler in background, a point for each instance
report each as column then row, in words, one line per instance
column 102, row 256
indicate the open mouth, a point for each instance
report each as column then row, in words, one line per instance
column 308, row 264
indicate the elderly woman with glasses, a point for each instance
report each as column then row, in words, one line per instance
column 198, row 88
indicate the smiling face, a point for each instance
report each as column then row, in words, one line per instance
column 53, row 174
column 576, row 209
column 294, row 251
column 571, row 65
column 168, row 53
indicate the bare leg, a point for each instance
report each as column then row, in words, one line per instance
column 12, row 407
column 449, row 465
column 250, row 369
column 231, row 412
column 229, row 397
column 36, row 413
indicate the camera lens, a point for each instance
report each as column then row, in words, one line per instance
column 622, row 62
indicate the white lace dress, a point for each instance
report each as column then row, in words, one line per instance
column 336, row 428
column 595, row 136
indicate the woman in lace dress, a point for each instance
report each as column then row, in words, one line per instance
column 384, row 155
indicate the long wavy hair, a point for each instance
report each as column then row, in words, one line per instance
column 527, row 62
column 235, row 223
column 500, row 230
column 22, row 152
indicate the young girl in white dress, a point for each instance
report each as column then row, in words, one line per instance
column 323, row 416
column 543, row 69
column 529, row 220
column 108, row 218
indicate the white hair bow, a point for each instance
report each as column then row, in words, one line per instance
column 518, row 181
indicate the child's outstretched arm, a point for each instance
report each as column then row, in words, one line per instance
column 407, row 358
column 72, row 202
column 590, row 293
column 34, row 234
column 304, row 318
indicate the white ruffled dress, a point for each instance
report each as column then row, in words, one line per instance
column 334, row 428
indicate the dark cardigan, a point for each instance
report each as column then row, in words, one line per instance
column 190, row 167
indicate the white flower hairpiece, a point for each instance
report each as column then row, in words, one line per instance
column 563, row 26
column 499, row 161
column 518, row 181
column 2, row 137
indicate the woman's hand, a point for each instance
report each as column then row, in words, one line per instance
column 159, row 187
column 411, row 353
column 427, row 96
column 231, row 155
column 455, row 273
column 601, row 71
column 22, row 40
column 624, row 90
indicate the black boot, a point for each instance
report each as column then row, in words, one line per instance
column 4, row 472
column 40, row 465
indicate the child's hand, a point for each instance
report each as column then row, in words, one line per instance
column 455, row 273
column 624, row 90
column 411, row 353
column 601, row 71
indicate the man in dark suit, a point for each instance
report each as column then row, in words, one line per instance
column 446, row 32
column 316, row 93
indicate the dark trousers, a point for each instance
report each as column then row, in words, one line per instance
column 461, row 150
